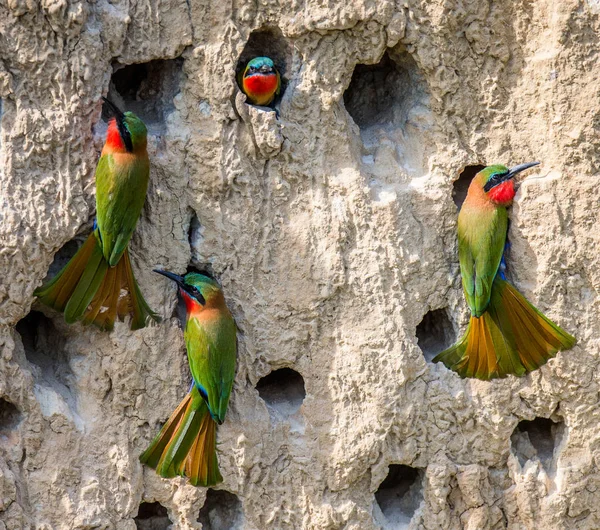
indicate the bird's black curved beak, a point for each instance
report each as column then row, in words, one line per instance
column 114, row 110
column 517, row 169
column 172, row 276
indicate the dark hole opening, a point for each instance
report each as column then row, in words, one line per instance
column 221, row 511
column 195, row 239
column 282, row 390
column 147, row 89
column 400, row 494
column 537, row 438
column 376, row 91
column 434, row 333
column 461, row 185
column 10, row 417
column 152, row 516
column 64, row 255
column 46, row 350
column 267, row 42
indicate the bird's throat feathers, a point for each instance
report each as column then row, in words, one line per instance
column 503, row 193
column 192, row 306
column 261, row 84
column 114, row 141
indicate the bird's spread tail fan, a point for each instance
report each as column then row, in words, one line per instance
column 88, row 289
column 187, row 444
column 511, row 337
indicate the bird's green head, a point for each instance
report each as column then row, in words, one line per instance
column 198, row 290
column 497, row 181
column 260, row 65
column 125, row 130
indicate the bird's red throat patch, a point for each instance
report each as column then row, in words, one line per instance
column 260, row 84
column 113, row 138
column 192, row 306
column 502, row 193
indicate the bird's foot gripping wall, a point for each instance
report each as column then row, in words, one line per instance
column 332, row 231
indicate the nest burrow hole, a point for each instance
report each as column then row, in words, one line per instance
column 147, row 89
column 384, row 93
column 400, row 495
column 45, row 349
column 152, row 516
column 222, row 510
column 64, row 255
column 10, row 417
column 268, row 42
column 282, row 390
column 462, row 183
column 537, row 438
column 195, row 239
column 435, row 333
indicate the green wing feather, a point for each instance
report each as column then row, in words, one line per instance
column 481, row 239
column 121, row 186
column 211, row 347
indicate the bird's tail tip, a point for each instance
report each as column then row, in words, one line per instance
column 511, row 338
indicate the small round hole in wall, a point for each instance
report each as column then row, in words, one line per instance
column 537, row 439
column 400, row 495
column 434, row 333
column 462, row 183
column 282, row 390
column 147, row 89
column 10, row 417
column 221, row 511
column 152, row 516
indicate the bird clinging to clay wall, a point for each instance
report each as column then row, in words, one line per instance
column 506, row 334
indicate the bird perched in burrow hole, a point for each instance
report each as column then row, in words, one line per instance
column 260, row 81
column 186, row 445
column 506, row 334
column 97, row 284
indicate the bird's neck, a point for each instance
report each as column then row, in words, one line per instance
column 115, row 144
column 500, row 196
column 215, row 304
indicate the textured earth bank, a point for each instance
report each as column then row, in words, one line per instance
column 332, row 231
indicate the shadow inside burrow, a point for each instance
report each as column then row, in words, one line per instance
column 45, row 346
column 282, row 391
column 389, row 102
column 538, row 439
column 152, row 516
column 222, row 510
column 435, row 333
column 268, row 42
column 400, row 495
column 462, row 183
column 147, row 89
column 10, row 420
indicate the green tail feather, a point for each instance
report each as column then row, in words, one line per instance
column 84, row 291
column 179, row 447
column 511, row 337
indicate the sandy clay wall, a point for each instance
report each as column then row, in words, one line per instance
column 332, row 231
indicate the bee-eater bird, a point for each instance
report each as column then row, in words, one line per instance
column 260, row 81
column 186, row 445
column 506, row 334
column 97, row 284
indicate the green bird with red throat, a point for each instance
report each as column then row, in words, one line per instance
column 97, row 284
column 260, row 81
column 186, row 445
column 506, row 334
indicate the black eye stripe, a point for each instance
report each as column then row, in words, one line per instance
column 493, row 181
